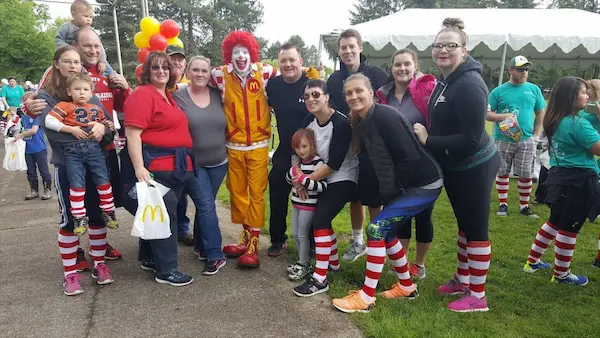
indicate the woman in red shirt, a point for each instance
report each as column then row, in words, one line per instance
column 159, row 143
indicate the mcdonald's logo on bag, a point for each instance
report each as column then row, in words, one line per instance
column 153, row 211
column 13, row 155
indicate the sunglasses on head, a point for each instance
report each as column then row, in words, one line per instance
column 315, row 95
column 157, row 67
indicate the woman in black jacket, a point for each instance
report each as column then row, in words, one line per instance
column 409, row 179
column 456, row 137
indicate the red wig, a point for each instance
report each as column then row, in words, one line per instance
column 242, row 38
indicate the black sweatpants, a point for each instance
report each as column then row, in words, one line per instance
column 423, row 226
column 279, row 196
column 332, row 201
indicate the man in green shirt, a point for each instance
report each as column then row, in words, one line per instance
column 523, row 102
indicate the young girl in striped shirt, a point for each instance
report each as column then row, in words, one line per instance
column 304, row 198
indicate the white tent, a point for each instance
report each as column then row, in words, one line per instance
column 565, row 37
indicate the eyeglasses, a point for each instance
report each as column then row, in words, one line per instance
column 449, row 46
column 315, row 95
column 522, row 70
column 157, row 67
column 71, row 62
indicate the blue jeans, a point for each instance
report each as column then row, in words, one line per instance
column 183, row 222
column 207, row 235
column 84, row 156
column 39, row 160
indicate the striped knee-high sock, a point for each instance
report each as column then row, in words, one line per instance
column 502, row 184
column 375, row 262
column 76, row 199
column 334, row 259
column 462, row 263
column 525, row 185
column 106, row 197
column 97, row 237
column 598, row 256
column 323, row 245
column 68, row 243
column 564, row 247
column 542, row 240
column 397, row 256
column 480, row 254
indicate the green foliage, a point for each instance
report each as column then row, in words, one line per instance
column 367, row 10
column 587, row 5
column 309, row 53
column 26, row 47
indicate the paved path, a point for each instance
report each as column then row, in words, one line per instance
column 233, row 303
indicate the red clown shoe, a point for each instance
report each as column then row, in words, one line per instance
column 236, row 250
column 250, row 258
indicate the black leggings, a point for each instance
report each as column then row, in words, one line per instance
column 423, row 227
column 469, row 192
column 332, row 201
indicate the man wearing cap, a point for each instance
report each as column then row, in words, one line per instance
column 519, row 104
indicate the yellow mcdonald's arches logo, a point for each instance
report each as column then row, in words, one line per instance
column 13, row 155
column 153, row 211
column 253, row 85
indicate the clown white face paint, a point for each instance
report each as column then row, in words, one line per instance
column 240, row 57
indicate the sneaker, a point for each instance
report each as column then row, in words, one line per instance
column 71, row 285
column 354, row 252
column 102, row 274
column 311, row 287
column 212, row 267
column 174, row 278
column 47, row 194
column 596, row 263
column 452, row 287
column 80, row 226
column 81, row 263
column 418, row 272
column 148, row 266
column 187, row 240
column 110, row 220
column 201, row 255
column 529, row 213
column 571, row 279
column 353, row 303
column 533, row 267
column 276, row 249
column 299, row 272
column 112, row 253
column 400, row 291
column 32, row 195
column 502, row 210
column 468, row 303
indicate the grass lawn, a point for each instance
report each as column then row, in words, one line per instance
column 521, row 304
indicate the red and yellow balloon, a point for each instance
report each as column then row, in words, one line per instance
column 155, row 36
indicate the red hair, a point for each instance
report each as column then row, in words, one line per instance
column 242, row 38
column 309, row 134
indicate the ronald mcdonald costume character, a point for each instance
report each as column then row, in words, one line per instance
column 242, row 83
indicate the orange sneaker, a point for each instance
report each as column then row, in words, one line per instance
column 401, row 291
column 353, row 303
column 250, row 258
column 236, row 250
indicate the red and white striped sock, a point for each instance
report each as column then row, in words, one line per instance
column 480, row 254
column 598, row 256
column 106, row 197
column 375, row 262
column 323, row 244
column 76, row 199
column 525, row 186
column 68, row 243
column 502, row 184
column 334, row 258
column 542, row 240
column 97, row 237
column 397, row 256
column 462, row 263
column 564, row 247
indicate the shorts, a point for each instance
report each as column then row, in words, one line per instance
column 520, row 154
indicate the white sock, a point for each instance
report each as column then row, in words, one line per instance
column 357, row 236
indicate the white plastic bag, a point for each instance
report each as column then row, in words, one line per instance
column 14, row 157
column 151, row 219
column 545, row 159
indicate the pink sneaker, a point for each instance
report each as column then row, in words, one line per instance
column 452, row 287
column 468, row 303
column 71, row 285
column 102, row 274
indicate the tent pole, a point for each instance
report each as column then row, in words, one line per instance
column 502, row 63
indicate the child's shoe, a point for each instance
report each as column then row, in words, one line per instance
column 110, row 220
column 32, row 195
column 71, row 285
column 80, row 225
column 298, row 272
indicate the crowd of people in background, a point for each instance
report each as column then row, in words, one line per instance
column 389, row 140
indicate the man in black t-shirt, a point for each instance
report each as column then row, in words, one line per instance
column 285, row 97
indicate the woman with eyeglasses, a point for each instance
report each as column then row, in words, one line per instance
column 158, row 145
column 456, row 137
column 333, row 134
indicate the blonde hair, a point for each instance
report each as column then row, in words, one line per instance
column 593, row 89
column 79, row 5
column 454, row 25
column 197, row 58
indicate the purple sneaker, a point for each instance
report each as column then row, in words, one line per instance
column 469, row 303
column 71, row 285
column 102, row 274
column 452, row 287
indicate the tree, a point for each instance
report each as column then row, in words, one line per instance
column 309, row 54
column 273, row 51
column 587, row 5
column 367, row 10
column 27, row 48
